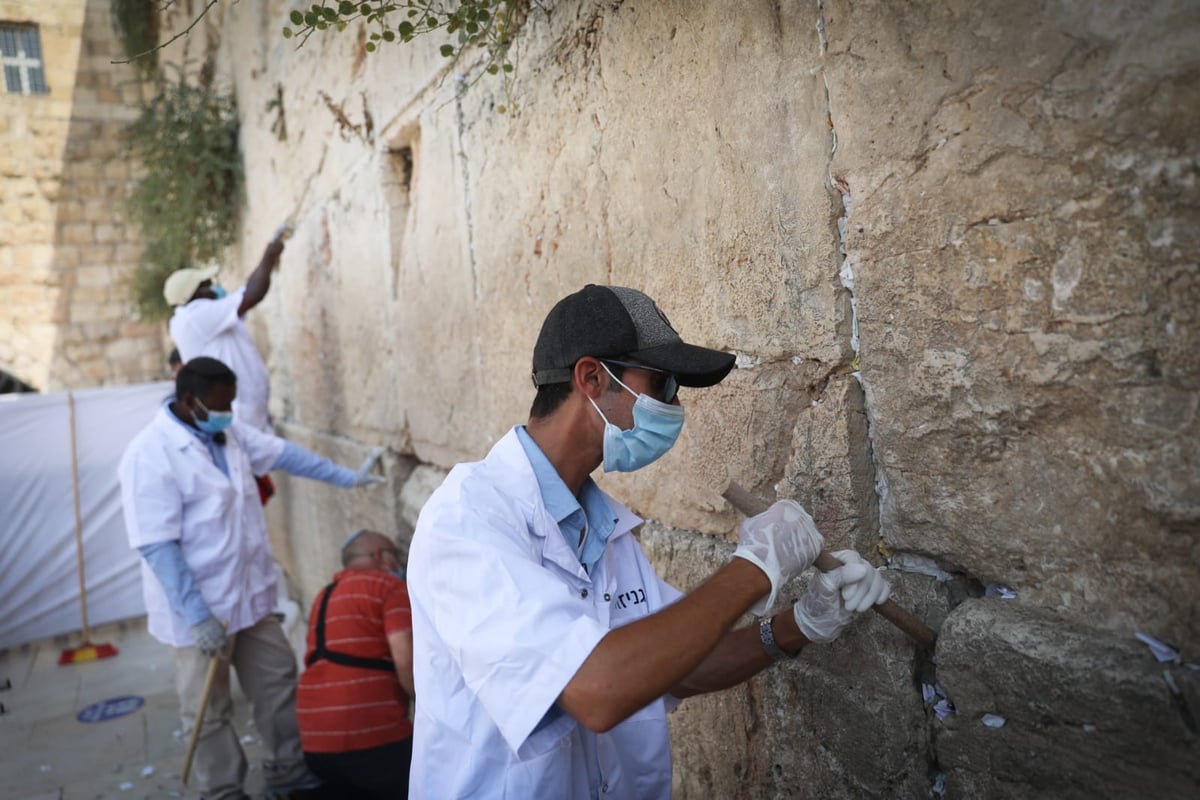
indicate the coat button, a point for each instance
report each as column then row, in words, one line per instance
column 583, row 593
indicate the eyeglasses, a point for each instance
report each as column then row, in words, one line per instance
column 670, row 386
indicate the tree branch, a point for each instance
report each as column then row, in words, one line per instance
column 182, row 33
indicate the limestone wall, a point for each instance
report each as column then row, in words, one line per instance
column 954, row 246
column 64, row 246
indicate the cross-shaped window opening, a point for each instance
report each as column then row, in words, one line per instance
column 21, row 57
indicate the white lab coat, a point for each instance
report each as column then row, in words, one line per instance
column 172, row 491
column 503, row 617
column 213, row 328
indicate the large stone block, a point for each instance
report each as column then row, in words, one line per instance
column 1086, row 713
column 1021, row 277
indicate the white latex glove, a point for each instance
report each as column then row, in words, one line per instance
column 363, row 476
column 210, row 637
column 782, row 542
column 833, row 598
column 864, row 586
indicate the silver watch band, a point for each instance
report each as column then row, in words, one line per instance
column 767, row 637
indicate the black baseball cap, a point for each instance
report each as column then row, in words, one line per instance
column 618, row 322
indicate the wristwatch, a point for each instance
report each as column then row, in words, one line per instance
column 767, row 637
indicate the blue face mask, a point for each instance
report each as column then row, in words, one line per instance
column 217, row 420
column 656, row 427
column 218, row 290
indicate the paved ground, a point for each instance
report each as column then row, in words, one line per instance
column 46, row 753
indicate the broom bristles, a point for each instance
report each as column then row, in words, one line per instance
column 86, row 652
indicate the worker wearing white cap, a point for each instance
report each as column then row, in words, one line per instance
column 208, row 322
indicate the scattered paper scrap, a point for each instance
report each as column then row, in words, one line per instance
column 125, row 786
column 1161, row 650
column 939, row 784
column 999, row 590
column 44, row 767
column 935, row 695
column 994, row 720
column 147, row 771
column 1089, row 727
column 911, row 562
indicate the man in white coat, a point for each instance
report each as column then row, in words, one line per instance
column 547, row 651
column 208, row 322
column 192, row 510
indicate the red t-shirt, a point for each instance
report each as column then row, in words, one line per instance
column 342, row 708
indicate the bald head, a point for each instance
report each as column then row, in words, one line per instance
column 370, row 550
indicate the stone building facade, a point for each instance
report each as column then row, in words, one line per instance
column 954, row 247
column 65, row 250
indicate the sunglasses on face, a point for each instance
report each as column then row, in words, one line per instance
column 670, row 384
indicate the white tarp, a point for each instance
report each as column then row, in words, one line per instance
column 39, row 578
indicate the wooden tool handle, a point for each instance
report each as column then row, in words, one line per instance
column 213, row 662
column 894, row 613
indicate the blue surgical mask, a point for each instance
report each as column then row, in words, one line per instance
column 217, row 420
column 656, row 427
column 218, row 290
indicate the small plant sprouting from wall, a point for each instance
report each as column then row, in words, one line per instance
column 188, row 198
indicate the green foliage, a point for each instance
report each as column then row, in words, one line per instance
column 188, row 198
column 490, row 24
column 135, row 22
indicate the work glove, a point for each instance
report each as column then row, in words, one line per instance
column 834, row 597
column 364, row 477
column 209, row 635
column 782, row 542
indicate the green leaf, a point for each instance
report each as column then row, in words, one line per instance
column 296, row 17
column 447, row 50
column 405, row 28
column 508, row 67
column 492, row 69
column 330, row 14
column 310, row 18
column 388, row 36
column 287, row 33
column 370, row 47
column 345, row 8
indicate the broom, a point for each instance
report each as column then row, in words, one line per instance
column 86, row 650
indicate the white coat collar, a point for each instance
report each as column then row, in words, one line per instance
column 515, row 474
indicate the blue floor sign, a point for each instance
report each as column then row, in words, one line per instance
column 110, row 709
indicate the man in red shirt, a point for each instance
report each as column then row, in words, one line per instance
column 354, row 698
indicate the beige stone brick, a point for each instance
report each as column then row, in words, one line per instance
column 93, row 276
column 87, row 311
column 80, row 233
column 33, row 256
column 108, row 233
column 66, row 256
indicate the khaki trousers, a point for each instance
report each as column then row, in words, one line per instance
column 266, row 670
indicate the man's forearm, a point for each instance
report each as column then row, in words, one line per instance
column 259, row 282
column 739, row 657
column 639, row 662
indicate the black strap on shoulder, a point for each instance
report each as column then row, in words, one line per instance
column 344, row 659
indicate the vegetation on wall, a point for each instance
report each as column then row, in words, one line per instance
column 488, row 24
column 188, row 198
column 135, row 23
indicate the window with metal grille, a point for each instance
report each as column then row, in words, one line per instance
column 21, row 57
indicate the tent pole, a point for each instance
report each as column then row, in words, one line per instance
column 78, row 519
